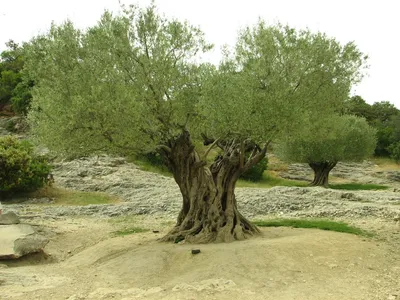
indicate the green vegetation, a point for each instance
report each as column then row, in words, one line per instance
column 323, row 143
column 151, row 162
column 394, row 150
column 149, row 167
column 314, row 223
column 255, row 173
column 126, row 225
column 358, row 186
column 133, row 84
column 20, row 169
column 384, row 117
column 14, row 87
column 70, row 197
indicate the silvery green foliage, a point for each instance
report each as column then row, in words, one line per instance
column 275, row 78
column 125, row 84
column 133, row 81
column 338, row 138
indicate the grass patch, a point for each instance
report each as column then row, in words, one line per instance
column 270, row 179
column 358, row 186
column 128, row 231
column 126, row 225
column 314, row 223
column 149, row 167
column 70, row 197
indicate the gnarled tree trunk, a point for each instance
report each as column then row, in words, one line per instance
column 209, row 211
column 321, row 172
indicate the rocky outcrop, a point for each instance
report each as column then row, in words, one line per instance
column 18, row 240
column 151, row 194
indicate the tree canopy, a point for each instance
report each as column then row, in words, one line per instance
column 134, row 82
column 383, row 116
column 323, row 143
column 14, row 86
column 11, row 63
column 124, row 84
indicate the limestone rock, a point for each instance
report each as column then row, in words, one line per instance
column 9, row 218
column 18, row 240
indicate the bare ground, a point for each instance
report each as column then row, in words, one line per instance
column 85, row 260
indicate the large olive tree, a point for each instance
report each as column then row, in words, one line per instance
column 133, row 82
column 323, row 143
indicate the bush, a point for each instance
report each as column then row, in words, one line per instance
column 20, row 169
column 394, row 150
column 22, row 97
column 256, row 172
column 153, row 158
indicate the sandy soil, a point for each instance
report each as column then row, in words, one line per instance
column 85, row 260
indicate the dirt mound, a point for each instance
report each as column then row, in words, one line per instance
column 282, row 264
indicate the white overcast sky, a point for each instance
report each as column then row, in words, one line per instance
column 373, row 25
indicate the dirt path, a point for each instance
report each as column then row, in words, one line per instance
column 88, row 262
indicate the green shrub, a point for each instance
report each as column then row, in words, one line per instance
column 20, row 169
column 22, row 97
column 256, row 172
column 394, row 150
column 152, row 158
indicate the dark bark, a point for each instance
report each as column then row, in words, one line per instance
column 321, row 172
column 209, row 210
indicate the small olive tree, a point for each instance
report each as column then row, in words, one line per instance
column 133, row 83
column 322, row 144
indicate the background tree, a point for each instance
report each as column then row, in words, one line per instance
column 394, row 150
column 357, row 106
column 323, row 144
column 385, row 120
column 133, row 82
column 383, row 116
column 14, row 86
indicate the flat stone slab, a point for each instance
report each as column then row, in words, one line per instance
column 18, row 240
column 9, row 218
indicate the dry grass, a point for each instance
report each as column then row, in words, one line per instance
column 271, row 179
column 63, row 196
column 385, row 164
column 275, row 164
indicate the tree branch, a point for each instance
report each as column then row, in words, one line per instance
column 256, row 158
column 209, row 149
column 241, row 155
column 164, row 148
